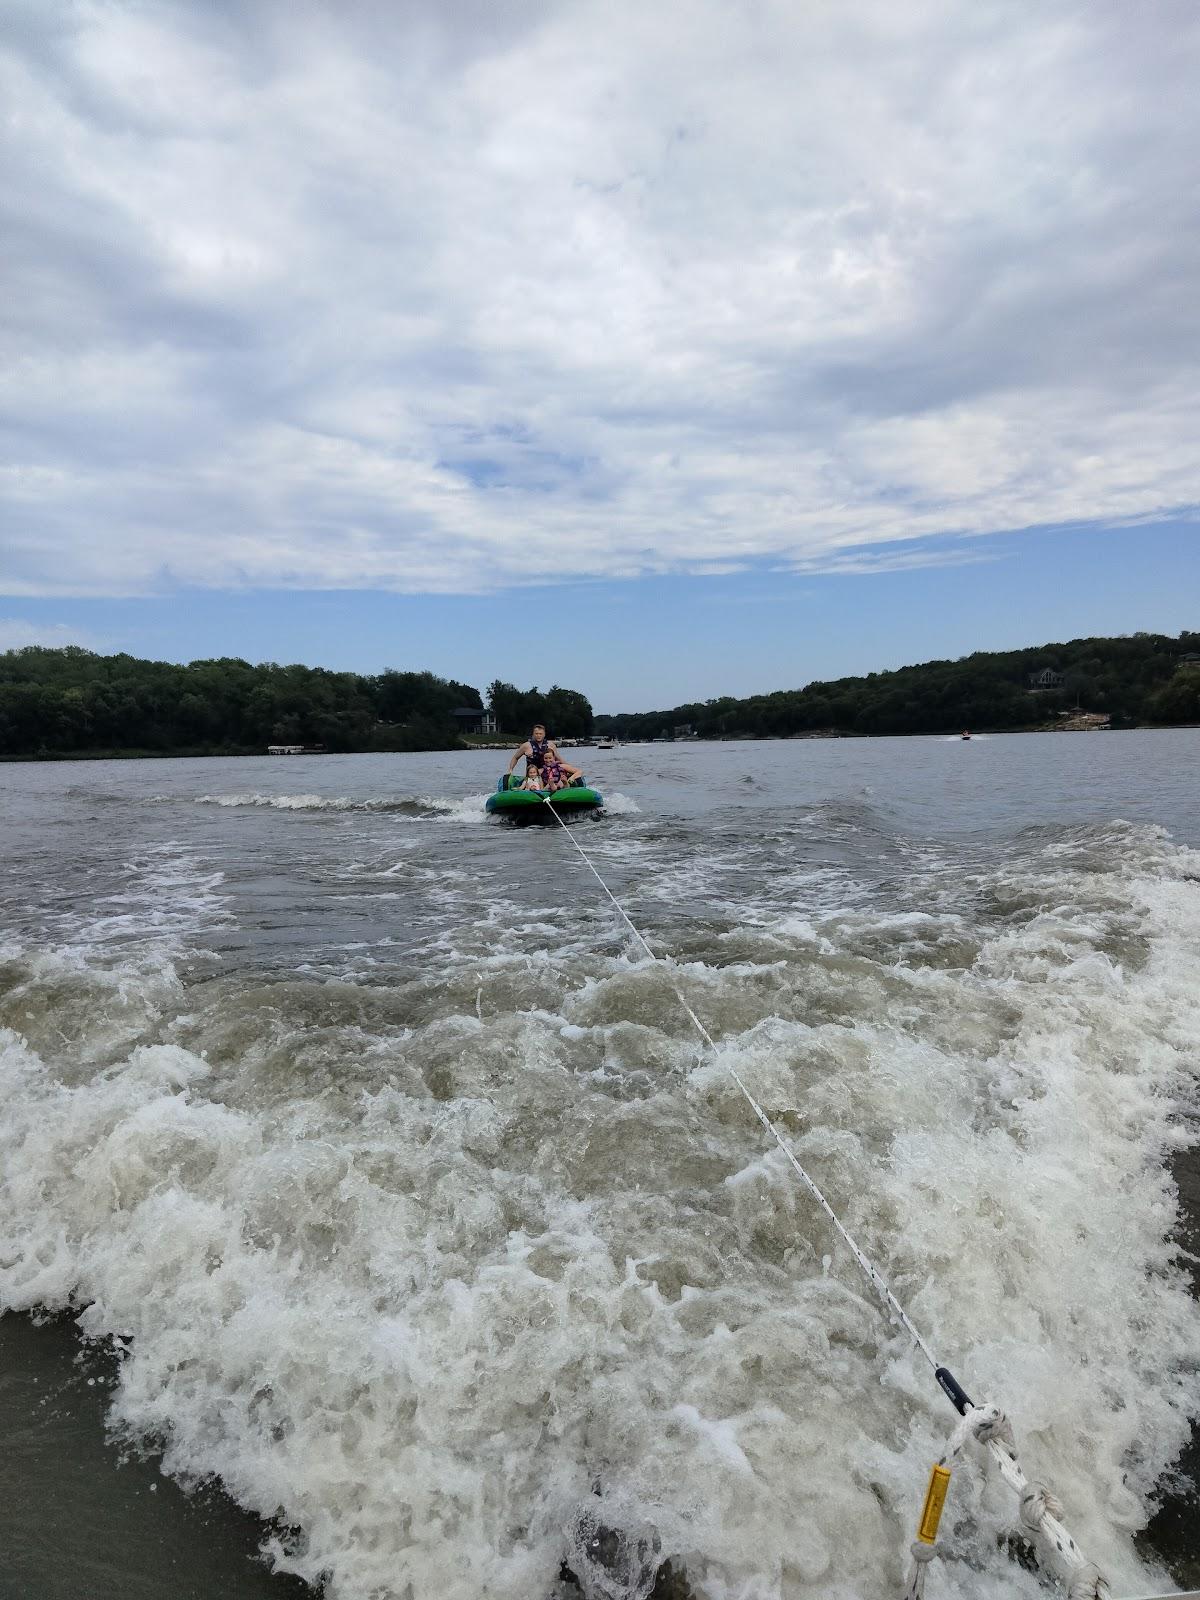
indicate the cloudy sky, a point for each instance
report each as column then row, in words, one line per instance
column 488, row 335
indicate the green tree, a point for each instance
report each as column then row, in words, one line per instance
column 1179, row 698
column 72, row 701
column 1127, row 677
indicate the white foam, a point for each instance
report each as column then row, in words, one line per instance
column 459, row 808
column 620, row 805
column 279, row 802
column 467, row 808
column 421, row 1289
column 156, row 899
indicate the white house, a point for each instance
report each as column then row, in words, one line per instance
column 471, row 719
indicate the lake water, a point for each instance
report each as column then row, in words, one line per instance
column 404, row 1203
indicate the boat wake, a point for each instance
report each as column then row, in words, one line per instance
column 434, row 1265
column 414, row 807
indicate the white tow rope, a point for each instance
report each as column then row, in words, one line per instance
column 1039, row 1510
column 871, row 1272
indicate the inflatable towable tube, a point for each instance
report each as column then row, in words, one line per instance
column 529, row 805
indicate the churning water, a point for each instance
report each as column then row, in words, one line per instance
column 416, row 1216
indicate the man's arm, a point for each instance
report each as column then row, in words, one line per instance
column 522, row 750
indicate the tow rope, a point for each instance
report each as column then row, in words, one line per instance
column 1039, row 1510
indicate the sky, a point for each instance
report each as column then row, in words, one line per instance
column 660, row 351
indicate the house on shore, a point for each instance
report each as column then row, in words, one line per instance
column 1047, row 678
column 474, row 719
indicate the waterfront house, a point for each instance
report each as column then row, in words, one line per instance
column 474, row 719
column 1047, row 678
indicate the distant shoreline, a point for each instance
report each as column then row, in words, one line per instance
column 49, row 696
column 744, row 738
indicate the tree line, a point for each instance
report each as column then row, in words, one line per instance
column 72, row 701
column 1135, row 679
column 565, row 712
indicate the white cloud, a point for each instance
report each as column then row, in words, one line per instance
column 458, row 296
column 16, row 632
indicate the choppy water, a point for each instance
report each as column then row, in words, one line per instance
column 420, row 1220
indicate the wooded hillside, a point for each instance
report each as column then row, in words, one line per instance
column 1139, row 678
column 72, row 701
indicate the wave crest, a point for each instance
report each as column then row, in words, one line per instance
column 465, row 808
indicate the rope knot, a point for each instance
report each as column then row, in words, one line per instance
column 1036, row 1503
column 923, row 1554
column 1088, row 1584
column 989, row 1422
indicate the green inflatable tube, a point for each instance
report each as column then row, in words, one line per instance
column 530, row 805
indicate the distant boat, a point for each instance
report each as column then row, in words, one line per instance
column 966, row 735
column 606, row 744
